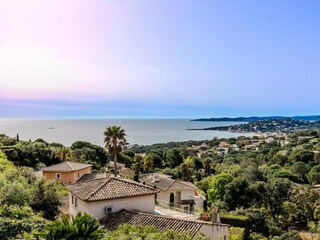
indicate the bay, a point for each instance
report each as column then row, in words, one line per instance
column 139, row 131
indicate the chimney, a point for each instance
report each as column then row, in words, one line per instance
column 215, row 215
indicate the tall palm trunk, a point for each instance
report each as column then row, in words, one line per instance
column 115, row 165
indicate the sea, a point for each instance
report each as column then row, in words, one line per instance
column 138, row 131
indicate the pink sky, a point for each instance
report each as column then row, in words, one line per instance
column 68, row 49
column 217, row 55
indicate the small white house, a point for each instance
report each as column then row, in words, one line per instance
column 184, row 192
column 99, row 197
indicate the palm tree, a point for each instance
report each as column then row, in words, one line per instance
column 138, row 163
column 114, row 139
column 82, row 226
column 207, row 165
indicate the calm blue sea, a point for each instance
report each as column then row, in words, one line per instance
column 139, row 131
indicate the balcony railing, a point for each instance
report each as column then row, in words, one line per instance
column 178, row 208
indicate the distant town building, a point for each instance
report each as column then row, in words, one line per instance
column 224, row 145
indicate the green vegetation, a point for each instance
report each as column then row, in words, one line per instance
column 264, row 186
column 81, row 227
column 39, row 153
column 261, row 184
column 27, row 203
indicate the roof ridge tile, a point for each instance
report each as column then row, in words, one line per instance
column 97, row 189
column 69, row 165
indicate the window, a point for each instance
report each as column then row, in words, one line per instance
column 58, row 175
column 75, row 202
column 78, row 175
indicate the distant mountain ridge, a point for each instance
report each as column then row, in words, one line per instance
column 253, row 119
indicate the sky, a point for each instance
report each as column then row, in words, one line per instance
column 159, row 59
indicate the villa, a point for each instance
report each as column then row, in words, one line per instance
column 184, row 192
column 66, row 172
column 106, row 195
column 117, row 201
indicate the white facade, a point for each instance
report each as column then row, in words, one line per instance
column 215, row 232
column 144, row 203
column 181, row 192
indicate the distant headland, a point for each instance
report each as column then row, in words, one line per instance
column 265, row 124
column 253, row 119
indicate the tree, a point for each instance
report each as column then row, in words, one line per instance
column 5, row 164
column 314, row 175
column 17, row 220
column 83, row 226
column 148, row 163
column 46, row 198
column 278, row 191
column 207, row 165
column 63, row 153
column 115, row 139
column 16, row 191
column 186, row 171
column 301, row 169
column 239, row 194
column 173, row 157
column 137, row 164
column 217, row 185
column 155, row 157
column 301, row 155
column 100, row 152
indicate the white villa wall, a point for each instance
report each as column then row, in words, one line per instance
column 140, row 204
column 81, row 206
column 163, row 196
column 187, row 195
column 199, row 201
column 215, row 232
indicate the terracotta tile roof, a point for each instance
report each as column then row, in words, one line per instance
column 66, row 167
column 163, row 223
column 92, row 176
column 109, row 188
column 163, row 183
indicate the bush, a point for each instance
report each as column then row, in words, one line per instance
column 235, row 220
column 257, row 236
column 236, row 233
